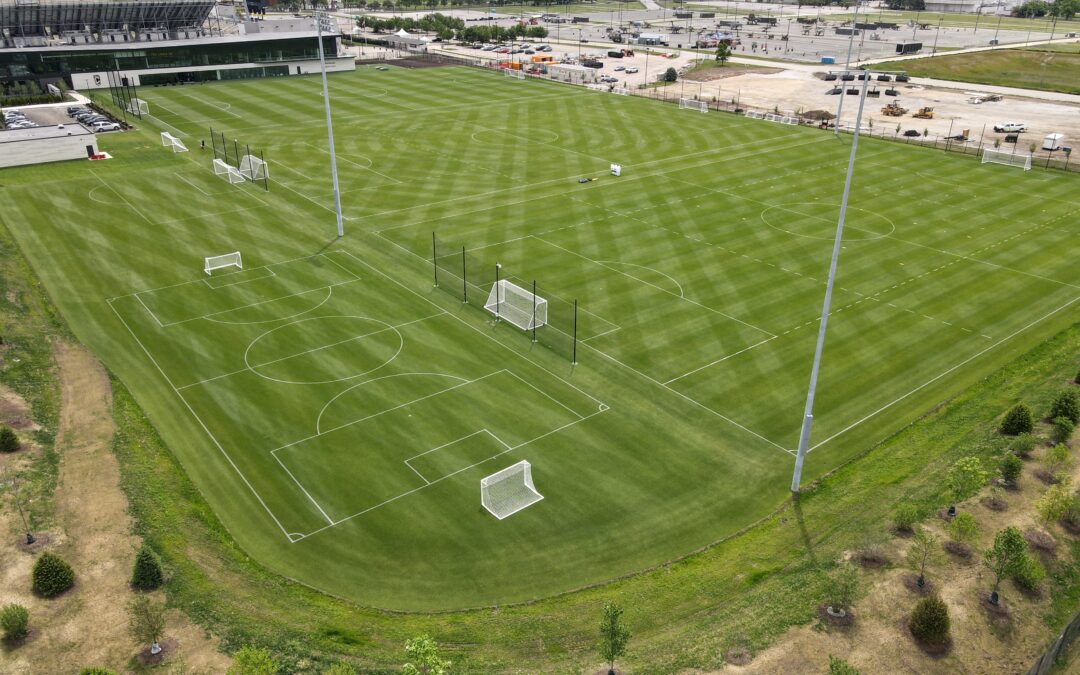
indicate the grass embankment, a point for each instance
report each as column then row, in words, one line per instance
column 764, row 579
column 954, row 20
column 1043, row 69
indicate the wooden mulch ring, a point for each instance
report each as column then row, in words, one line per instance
column 147, row 659
column 911, row 582
column 958, row 549
column 846, row 620
column 1070, row 527
column 871, row 559
column 994, row 503
column 1046, row 477
column 904, row 534
column 738, row 656
column 41, row 540
column 1041, row 541
column 999, row 613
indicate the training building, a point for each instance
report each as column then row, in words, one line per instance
column 153, row 42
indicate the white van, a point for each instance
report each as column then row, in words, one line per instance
column 1010, row 127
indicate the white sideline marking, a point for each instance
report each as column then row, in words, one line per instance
column 644, row 267
column 160, row 325
column 123, row 199
column 356, row 164
column 304, row 490
column 318, row 419
column 720, row 360
column 446, row 445
column 242, row 281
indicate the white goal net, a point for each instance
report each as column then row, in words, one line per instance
column 506, row 492
column 693, row 104
column 253, row 168
column 217, row 262
column 990, row 156
column 516, row 74
column 228, row 172
column 782, row 119
column 620, row 91
column 137, row 106
column 170, row 141
column 755, row 115
column 513, row 303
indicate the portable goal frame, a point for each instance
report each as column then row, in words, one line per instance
column 170, row 141
column 217, row 262
column 693, row 104
column 506, row 492
column 991, row 156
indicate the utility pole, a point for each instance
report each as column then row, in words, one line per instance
column 847, row 65
column 329, row 128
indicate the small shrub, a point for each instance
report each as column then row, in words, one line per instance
column 670, row 75
column 1061, row 429
column 1018, row 420
column 1072, row 514
column 1054, row 503
column 1058, row 459
column 871, row 553
column 905, row 517
column 930, row 621
column 9, row 442
column 15, row 620
column 96, row 670
column 252, row 661
column 963, row 528
column 340, row 669
column 966, row 477
column 1030, row 574
column 1022, row 445
column 146, row 575
column 1011, row 468
column 1067, row 404
column 842, row 587
column 52, row 576
column 838, row 666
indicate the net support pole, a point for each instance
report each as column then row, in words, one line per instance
column 247, row 151
column 213, row 142
column 236, row 152
column 498, row 293
column 464, row 284
column 434, row 260
column 573, row 358
column 266, row 174
column 808, row 414
column 534, row 311
column 329, row 128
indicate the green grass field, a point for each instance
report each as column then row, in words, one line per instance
column 1055, row 69
column 985, row 21
column 338, row 411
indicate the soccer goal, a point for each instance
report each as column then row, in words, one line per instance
column 515, row 304
column 693, row 104
column 506, row 492
column 616, row 169
column 990, row 156
column 782, row 119
column 217, row 262
column 170, row 141
column 516, row 74
column 620, row 91
column 228, row 172
column 755, row 115
column 137, row 106
column 253, row 168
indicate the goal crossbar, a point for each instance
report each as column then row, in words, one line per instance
column 217, row 262
column 516, row 74
column 693, row 104
column 782, row 119
column 253, row 168
column 137, row 106
column 506, row 492
column 228, row 172
column 516, row 305
column 991, row 156
column 170, row 141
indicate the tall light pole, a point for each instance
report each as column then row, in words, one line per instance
column 808, row 413
column 329, row 128
column 847, row 64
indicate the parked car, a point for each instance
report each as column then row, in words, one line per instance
column 105, row 126
column 618, row 68
column 911, row 133
column 631, row 71
column 1010, row 127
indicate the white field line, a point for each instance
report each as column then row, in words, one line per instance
column 944, row 373
column 547, row 395
column 453, row 442
column 645, row 267
column 201, row 423
column 208, row 194
column 326, row 406
column 719, row 360
column 547, row 145
column 356, row 164
column 203, row 278
column 253, row 304
column 208, row 101
column 148, row 311
column 237, row 283
column 304, row 490
column 211, row 214
column 123, row 199
column 163, row 122
column 289, row 168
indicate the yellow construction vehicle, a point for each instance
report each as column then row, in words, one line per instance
column 924, row 114
column 894, row 110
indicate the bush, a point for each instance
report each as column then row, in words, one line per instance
column 1022, row 445
column 252, row 661
column 52, row 576
column 1067, row 404
column 1011, row 468
column 1061, row 429
column 1072, row 513
column 1054, row 503
column 340, row 669
column 9, row 442
column 1077, row 378
column 966, row 477
column 1018, row 421
column 930, row 621
column 842, row 587
column 963, row 528
column 1030, row 574
column 905, row 517
column 146, row 575
column 15, row 621
column 96, row 670
column 670, row 75
column 838, row 666
column 1058, row 459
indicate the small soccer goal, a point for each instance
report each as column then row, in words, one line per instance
column 137, row 106
column 516, row 74
column 217, row 262
column 782, row 119
column 616, row 169
column 990, row 156
column 693, row 104
column 228, row 172
column 755, row 115
column 253, row 168
column 620, row 91
column 512, row 303
column 170, row 141
column 506, row 492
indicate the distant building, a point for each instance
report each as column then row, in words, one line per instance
column 954, row 6
column 405, row 42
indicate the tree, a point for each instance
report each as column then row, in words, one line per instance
column 723, row 53
column 1011, row 468
column 1005, row 557
column 613, row 635
column 1022, row 445
column 838, row 666
column 965, row 478
column 963, row 529
column 924, row 553
column 930, row 621
column 96, row 670
column 1065, row 9
column 15, row 621
column 905, row 517
column 52, row 576
column 841, row 588
column 252, row 661
column 146, row 621
column 9, row 442
column 1054, row 503
column 1018, row 421
column 670, row 75
column 146, row 574
column 1057, row 459
column 1029, row 574
column 1067, row 403
column 424, row 658
column 1061, row 429
column 340, row 669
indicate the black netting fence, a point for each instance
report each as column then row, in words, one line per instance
column 1054, row 657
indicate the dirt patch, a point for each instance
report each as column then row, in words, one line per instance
column 739, row 656
column 88, row 625
column 15, row 411
column 721, row 73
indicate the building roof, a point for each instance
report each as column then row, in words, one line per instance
column 22, row 18
column 38, row 133
column 162, row 44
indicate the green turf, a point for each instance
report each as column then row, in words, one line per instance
column 1046, row 69
column 313, row 396
column 980, row 23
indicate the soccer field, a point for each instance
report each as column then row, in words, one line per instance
column 338, row 410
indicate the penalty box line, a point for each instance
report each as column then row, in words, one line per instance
column 453, row 442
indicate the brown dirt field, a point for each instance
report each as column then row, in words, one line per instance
column 878, row 641
column 730, row 70
column 88, row 624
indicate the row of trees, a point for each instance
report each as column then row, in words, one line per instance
column 1062, row 9
column 448, row 28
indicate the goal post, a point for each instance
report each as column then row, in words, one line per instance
column 693, row 104
column 506, row 492
column 217, row 262
column 516, row 74
column 991, row 156
column 137, row 106
column 170, row 141
column 518, row 306
column 228, row 172
column 254, row 168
